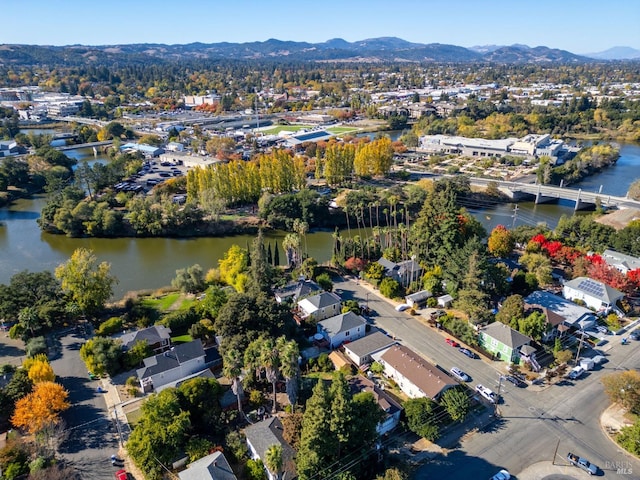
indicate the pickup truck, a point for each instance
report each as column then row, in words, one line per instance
column 582, row 463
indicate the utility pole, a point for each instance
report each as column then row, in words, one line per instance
column 515, row 215
column 580, row 345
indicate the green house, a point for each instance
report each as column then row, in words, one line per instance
column 503, row 341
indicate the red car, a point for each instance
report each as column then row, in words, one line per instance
column 453, row 343
column 121, row 474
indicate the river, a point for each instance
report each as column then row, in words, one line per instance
column 141, row 263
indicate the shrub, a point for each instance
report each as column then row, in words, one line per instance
column 256, row 398
column 110, row 326
column 236, row 445
column 325, row 364
column 179, row 321
column 255, row 470
column 35, row 345
column 390, row 288
column 432, row 302
column 131, row 381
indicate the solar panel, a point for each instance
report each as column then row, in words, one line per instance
column 592, row 287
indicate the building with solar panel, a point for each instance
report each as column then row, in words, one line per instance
column 597, row 295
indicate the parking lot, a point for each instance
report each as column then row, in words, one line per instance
column 152, row 173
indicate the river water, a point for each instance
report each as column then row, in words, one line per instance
column 141, row 263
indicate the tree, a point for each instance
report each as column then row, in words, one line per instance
column 392, row 474
column 342, row 414
column 233, row 268
column 273, row 460
column 421, row 417
column 390, row 288
column 624, row 388
column 325, row 282
column 512, row 311
column 562, row 356
column 538, row 264
column 456, row 403
column 101, row 355
column 199, row 397
column 189, row 280
column 534, row 325
column 88, row 283
column 501, row 242
column 260, row 269
column 629, row 438
column 232, row 363
column 40, row 407
column 134, row 356
column 40, row 370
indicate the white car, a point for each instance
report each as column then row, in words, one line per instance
column 402, row 307
column 459, row 374
column 501, row 475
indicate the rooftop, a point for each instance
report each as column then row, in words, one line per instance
column 505, row 335
column 374, row 342
column 595, row 289
column 341, row 323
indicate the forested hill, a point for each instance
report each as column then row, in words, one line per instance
column 386, row 49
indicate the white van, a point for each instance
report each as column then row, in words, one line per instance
column 486, row 393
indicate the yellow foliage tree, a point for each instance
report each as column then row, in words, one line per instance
column 41, row 371
column 41, row 407
column 30, row 361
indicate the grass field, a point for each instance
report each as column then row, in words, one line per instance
column 181, row 339
column 285, row 128
column 171, row 301
column 342, row 130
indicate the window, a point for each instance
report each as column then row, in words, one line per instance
column 346, row 333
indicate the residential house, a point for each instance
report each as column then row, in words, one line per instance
column 624, row 263
column 387, row 404
column 445, row 301
column 597, row 295
column 418, row 299
column 320, row 306
column 360, row 351
column 403, row 272
column 174, row 364
column 574, row 316
column 342, row 328
column 211, row 467
column 414, row 375
column 503, row 341
column 8, row 148
column 158, row 337
column 262, row 435
column 294, row 291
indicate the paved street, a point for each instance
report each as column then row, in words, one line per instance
column 534, row 422
column 91, row 433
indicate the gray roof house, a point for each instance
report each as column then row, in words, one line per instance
column 294, row 291
column 403, row 272
column 170, row 366
column 261, row 435
column 574, row 315
column 418, row 299
column 622, row 262
column 597, row 295
column 320, row 306
column 387, row 404
column 360, row 351
column 503, row 341
column 158, row 337
column 342, row 328
column 211, row 467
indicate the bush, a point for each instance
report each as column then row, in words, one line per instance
column 179, row 321
column 256, row 398
column 110, row 326
column 432, row 302
column 390, row 288
column 324, row 363
column 35, row 345
column 236, row 445
column 255, row 470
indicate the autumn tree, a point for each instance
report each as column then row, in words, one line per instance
column 88, row 283
column 41, row 407
column 233, row 268
column 501, row 242
column 512, row 311
column 40, row 370
column 624, row 388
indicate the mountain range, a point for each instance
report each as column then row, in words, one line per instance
column 383, row 49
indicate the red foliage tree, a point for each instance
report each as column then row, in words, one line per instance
column 354, row 264
column 634, row 277
column 539, row 238
column 611, row 276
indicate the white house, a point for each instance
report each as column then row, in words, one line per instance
column 342, row 328
column 572, row 314
column 182, row 360
column 597, row 295
column 624, row 263
column 320, row 306
column 211, row 467
column 360, row 351
column 414, row 375
column 262, row 435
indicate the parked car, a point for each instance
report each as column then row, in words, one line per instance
column 635, row 335
column 501, row 475
column 451, row 342
column 121, row 474
column 602, row 329
column 582, row 463
column 515, row 380
column 402, row 307
column 467, row 352
column 487, row 393
column 460, row 375
column 575, row 373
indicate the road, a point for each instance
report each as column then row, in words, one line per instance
column 92, row 439
column 533, row 422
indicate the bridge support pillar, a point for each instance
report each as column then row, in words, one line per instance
column 578, row 202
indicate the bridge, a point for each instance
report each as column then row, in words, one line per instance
column 521, row 191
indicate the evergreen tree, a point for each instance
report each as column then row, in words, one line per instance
column 317, row 443
column 276, row 255
column 342, row 414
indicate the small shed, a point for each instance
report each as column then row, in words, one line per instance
column 418, row 299
column 445, row 301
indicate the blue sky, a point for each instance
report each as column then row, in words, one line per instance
column 580, row 26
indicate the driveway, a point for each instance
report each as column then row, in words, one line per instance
column 535, row 424
column 92, row 438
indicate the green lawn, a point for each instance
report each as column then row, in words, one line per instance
column 341, row 130
column 162, row 304
column 181, row 339
column 285, row 128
